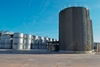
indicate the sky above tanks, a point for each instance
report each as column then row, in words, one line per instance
column 40, row 17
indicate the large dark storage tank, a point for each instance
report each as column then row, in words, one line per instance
column 75, row 30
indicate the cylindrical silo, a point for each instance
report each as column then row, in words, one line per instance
column 37, row 42
column 8, row 42
column 3, row 37
column 33, row 42
column 28, row 39
column 40, row 42
column 18, row 41
column 75, row 30
column 43, row 42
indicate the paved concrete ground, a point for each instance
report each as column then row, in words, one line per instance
column 49, row 60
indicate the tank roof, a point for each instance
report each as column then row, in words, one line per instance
column 73, row 7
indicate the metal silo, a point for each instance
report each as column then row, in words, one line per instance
column 3, row 36
column 37, row 42
column 8, row 42
column 40, row 42
column 18, row 41
column 44, row 42
column 33, row 42
column 28, row 42
column 75, row 30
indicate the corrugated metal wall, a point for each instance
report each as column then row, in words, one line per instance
column 75, row 29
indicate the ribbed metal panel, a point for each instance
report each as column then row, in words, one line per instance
column 75, row 29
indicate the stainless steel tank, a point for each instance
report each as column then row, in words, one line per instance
column 75, row 29
column 18, row 41
column 37, row 42
column 44, row 42
column 3, row 37
column 33, row 42
column 8, row 42
column 28, row 41
column 40, row 42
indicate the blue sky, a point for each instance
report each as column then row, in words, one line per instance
column 40, row 17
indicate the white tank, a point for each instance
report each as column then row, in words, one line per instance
column 18, row 40
column 28, row 41
column 28, row 36
column 18, row 35
column 18, row 46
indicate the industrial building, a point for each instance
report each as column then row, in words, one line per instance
column 75, row 34
column 75, row 30
column 20, row 41
column 97, row 46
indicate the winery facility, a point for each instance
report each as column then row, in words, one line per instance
column 75, row 34
column 20, row 41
